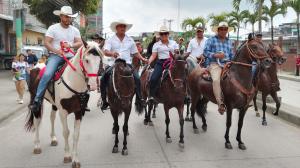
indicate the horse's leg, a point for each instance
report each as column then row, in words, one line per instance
column 154, row 110
column 66, row 133
column 37, row 146
column 125, row 132
column 255, row 105
column 150, row 108
column 115, row 130
column 75, row 160
column 188, row 102
column 264, row 108
column 203, row 107
column 240, row 125
column 52, row 119
column 181, row 122
column 275, row 98
column 228, row 125
column 146, row 114
column 193, row 110
column 167, row 121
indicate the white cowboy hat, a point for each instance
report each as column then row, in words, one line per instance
column 221, row 24
column 163, row 29
column 113, row 25
column 65, row 10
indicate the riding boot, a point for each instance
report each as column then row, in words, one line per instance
column 103, row 86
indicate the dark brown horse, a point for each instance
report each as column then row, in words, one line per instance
column 236, row 84
column 267, row 81
column 171, row 93
column 121, row 90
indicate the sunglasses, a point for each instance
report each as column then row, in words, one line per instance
column 162, row 34
column 223, row 29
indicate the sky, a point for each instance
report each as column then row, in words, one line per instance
column 148, row 15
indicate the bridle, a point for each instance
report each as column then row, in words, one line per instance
column 170, row 73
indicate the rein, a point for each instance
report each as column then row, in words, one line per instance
column 114, row 85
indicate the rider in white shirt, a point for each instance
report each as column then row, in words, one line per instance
column 123, row 47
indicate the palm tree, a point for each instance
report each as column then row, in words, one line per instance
column 272, row 11
column 216, row 19
column 193, row 23
column 259, row 8
column 252, row 18
column 235, row 19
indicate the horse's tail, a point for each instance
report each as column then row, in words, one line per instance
column 32, row 87
column 201, row 107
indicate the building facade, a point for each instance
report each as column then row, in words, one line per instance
column 95, row 22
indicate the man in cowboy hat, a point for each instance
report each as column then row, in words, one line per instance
column 57, row 33
column 196, row 48
column 218, row 50
column 123, row 47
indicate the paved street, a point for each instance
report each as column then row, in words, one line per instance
column 274, row 146
column 290, row 92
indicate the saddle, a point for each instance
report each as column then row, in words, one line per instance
column 207, row 76
column 60, row 70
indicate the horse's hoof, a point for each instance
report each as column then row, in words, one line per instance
column 151, row 124
column 181, row 145
column 204, row 128
column 196, row 131
column 190, row 119
column 115, row 150
column 76, row 165
column 113, row 131
column 124, row 152
column 145, row 122
column 257, row 114
column 242, row 146
column 128, row 133
column 187, row 119
column 54, row 143
column 37, row 151
column 275, row 114
column 228, row 145
column 67, row 159
column 153, row 115
column 264, row 123
column 169, row 140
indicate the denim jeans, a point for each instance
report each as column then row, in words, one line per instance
column 155, row 77
column 52, row 64
column 254, row 69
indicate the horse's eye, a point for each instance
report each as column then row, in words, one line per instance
column 87, row 61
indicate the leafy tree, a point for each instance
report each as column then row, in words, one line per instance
column 252, row 18
column 43, row 9
column 235, row 19
column 193, row 23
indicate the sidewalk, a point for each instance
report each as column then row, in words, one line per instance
column 288, row 76
column 8, row 96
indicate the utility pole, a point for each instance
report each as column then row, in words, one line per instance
column 18, row 23
column 170, row 23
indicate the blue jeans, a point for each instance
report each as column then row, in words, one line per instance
column 155, row 77
column 254, row 69
column 52, row 64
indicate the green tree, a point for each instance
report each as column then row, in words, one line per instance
column 216, row 19
column 43, row 9
column 193, row 23
column 258, row 7
column 272, row 11
column 252, row 18
column 235, row 19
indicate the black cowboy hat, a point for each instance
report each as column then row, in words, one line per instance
column 97, row 37
column 258, row 35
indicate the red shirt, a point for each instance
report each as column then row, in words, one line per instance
column 298, row 61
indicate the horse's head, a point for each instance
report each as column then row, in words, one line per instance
column 257, row 51
column 276, row 54
column 90, row 59
column 178, row 71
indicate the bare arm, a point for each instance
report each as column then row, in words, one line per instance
column 77, row 43
column 140, row 57
column 111, row 53
column 48, row 42
column 152, row 58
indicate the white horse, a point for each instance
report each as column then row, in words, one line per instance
column 69, row 95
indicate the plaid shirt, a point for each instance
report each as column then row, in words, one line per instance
column 214, row 45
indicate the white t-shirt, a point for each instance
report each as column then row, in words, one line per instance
column 163, row 50
column 58, row 33
column 21, row 68
column 126, row 48
column 196, row 49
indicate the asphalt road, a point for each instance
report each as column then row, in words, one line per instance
column 274, row 146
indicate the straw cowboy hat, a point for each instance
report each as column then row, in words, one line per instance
column 65, row 10
column 221, row 24
column 113, row 25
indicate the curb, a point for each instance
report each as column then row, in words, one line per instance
column 5, row 117
column 295, row 79
column 287, row 113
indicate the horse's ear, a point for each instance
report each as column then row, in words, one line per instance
column 250, row 36
column 84, row 43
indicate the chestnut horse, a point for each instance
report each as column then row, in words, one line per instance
column 236, row 84
column 69, row 94
column 171, row 93
column 121, row 90
column 267, row 81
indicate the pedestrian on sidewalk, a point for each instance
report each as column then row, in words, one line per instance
column 42, row 62
column 20, row 69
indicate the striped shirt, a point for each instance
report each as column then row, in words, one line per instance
column 214, row 45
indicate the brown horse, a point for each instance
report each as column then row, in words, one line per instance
column 171, row 93
column 236, row 84
column 121, row 90
column 267, row 81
